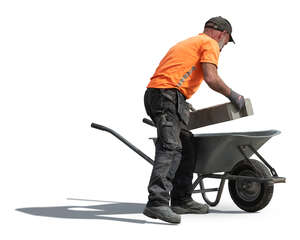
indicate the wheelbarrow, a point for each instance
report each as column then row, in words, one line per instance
column 226, row 156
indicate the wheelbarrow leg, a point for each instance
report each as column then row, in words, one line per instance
column 203, row 190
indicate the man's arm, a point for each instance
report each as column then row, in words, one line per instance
column 213, row 80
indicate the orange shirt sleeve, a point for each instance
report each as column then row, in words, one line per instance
column 210, row 52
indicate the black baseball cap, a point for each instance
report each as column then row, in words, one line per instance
column 220, row 24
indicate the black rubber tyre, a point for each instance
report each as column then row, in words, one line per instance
column 250, row 196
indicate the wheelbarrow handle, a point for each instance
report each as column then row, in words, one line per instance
column 100, row 127
column 122, row 139
column 149, row 122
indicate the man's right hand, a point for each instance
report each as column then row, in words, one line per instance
column 236, row 99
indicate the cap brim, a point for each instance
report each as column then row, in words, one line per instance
column 231, row 39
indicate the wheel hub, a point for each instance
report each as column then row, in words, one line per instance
column 248, row 190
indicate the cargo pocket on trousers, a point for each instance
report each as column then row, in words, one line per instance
column 183, row 109
column 169, row 134
column 169, row 100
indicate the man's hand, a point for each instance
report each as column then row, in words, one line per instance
column 237, row 100
column 191, row 108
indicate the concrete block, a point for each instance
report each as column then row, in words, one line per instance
column 217, row 114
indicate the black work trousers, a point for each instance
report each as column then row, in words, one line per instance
column 174, row 162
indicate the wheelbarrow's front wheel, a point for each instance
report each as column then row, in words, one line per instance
column 249, row 195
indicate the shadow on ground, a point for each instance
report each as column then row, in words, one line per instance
column 102, row 211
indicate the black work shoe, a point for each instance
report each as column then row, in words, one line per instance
column 190, row 206
column 163, row 213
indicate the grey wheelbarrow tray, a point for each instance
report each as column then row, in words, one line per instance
column 218, row 155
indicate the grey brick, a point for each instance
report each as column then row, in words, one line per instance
column 217, row 114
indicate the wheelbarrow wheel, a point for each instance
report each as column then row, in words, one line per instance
column 248, row 195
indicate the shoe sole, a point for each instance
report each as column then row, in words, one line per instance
column 147, row 212
column 180, row 210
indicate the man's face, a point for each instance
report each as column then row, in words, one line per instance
column 224, row 38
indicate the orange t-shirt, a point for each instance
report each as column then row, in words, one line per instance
column 181, row 67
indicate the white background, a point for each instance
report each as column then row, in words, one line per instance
column 65, row 64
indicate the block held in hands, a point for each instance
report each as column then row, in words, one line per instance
column 217, row 114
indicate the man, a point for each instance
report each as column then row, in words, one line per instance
column 176, row 79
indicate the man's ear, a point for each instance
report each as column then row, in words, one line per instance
column 223, row 34
column 219, row 35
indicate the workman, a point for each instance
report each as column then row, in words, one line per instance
column 176, row 79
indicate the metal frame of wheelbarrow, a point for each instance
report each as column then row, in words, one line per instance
column 199, row 181
column 228, row 176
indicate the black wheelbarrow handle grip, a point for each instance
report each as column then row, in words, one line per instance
column 100, row 127
column 149, row 122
